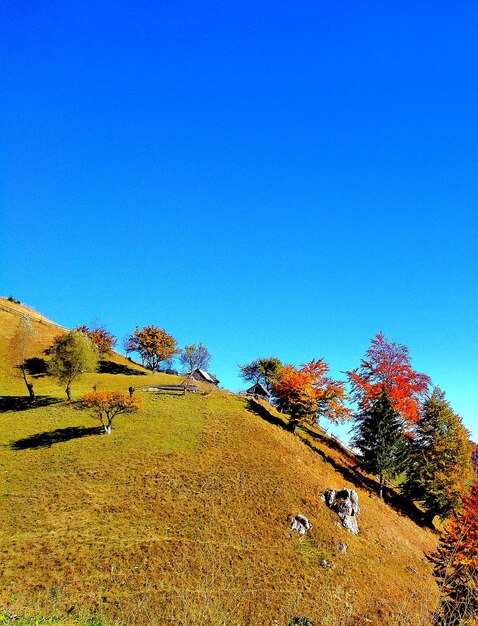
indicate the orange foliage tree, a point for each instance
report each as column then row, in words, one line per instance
column 153, row 344
column 103, row 340
column 308, row 394
column 387, row 364
column 106, row 405
column 456, row 566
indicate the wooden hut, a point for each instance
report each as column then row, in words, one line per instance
column 204, row 377
column 259, row 390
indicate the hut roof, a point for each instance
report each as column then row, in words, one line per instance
column 209, row 378
column 258, row 389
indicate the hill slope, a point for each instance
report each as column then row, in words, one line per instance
column 181, row 516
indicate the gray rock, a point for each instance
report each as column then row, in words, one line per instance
column 325, row 563
column 341, row 547
column 345, row 503
column 300, row 524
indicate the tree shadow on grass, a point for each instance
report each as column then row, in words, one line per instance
column 61, row 435
column 110, row 367
column 23, row 403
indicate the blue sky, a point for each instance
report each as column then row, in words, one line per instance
column 282, row 178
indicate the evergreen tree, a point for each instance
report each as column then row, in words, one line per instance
column 456, row 567
column 379, row 437
column 441, row 467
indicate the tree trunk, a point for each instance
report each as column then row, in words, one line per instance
column 68, row 392
column 292, row 426
column 381, row 486
column 31, row 392
column 29, row 386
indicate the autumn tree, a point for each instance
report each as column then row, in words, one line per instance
column 307, row 394
column 474, row 456
column 106, row 405
column 388, row 364
column 103, row 339
column 71, row 355
column 456, row 566
column 153, row 344
column 22, row 344
column 262, row 371
column 379, row 438
column 440, row 471
column 195, row 356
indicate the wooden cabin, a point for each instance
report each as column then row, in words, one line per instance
column 259, row 390
column 204, row 377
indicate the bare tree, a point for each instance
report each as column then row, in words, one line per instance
column 194, row 357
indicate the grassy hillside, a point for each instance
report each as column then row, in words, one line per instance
column 181, row 516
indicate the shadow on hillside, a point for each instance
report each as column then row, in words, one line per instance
column 23, row 403
column 257, row 408
column 61, row 435
column 350, row 473
column 110, row 367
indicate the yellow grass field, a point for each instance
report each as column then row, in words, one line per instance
column 181, row 515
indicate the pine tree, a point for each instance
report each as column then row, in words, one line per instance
column 456, row 567
column 441, row 467
column 379, row 437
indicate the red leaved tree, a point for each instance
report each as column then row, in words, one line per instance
column 307, row 394
column 456, row 566
column 387, row 364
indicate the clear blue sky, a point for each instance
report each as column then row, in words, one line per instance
column 281, row 178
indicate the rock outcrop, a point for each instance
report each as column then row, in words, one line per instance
column 345, row 504
column 300, row 524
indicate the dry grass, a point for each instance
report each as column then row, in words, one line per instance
column 181, row 516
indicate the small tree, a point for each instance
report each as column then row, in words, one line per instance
column 22, row 347
column 441, row 467
column 262, row 371
column 195, row 356
column 71, row 355
column 308, row 394
column 153, row 344
column 106, row 405
column 456, row 567
column 103, row 340
column 379, row 437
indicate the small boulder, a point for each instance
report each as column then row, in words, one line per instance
column 300, row 524
column 341, row 547
column 325, row 563
column 345, row 504
column 301, row 621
